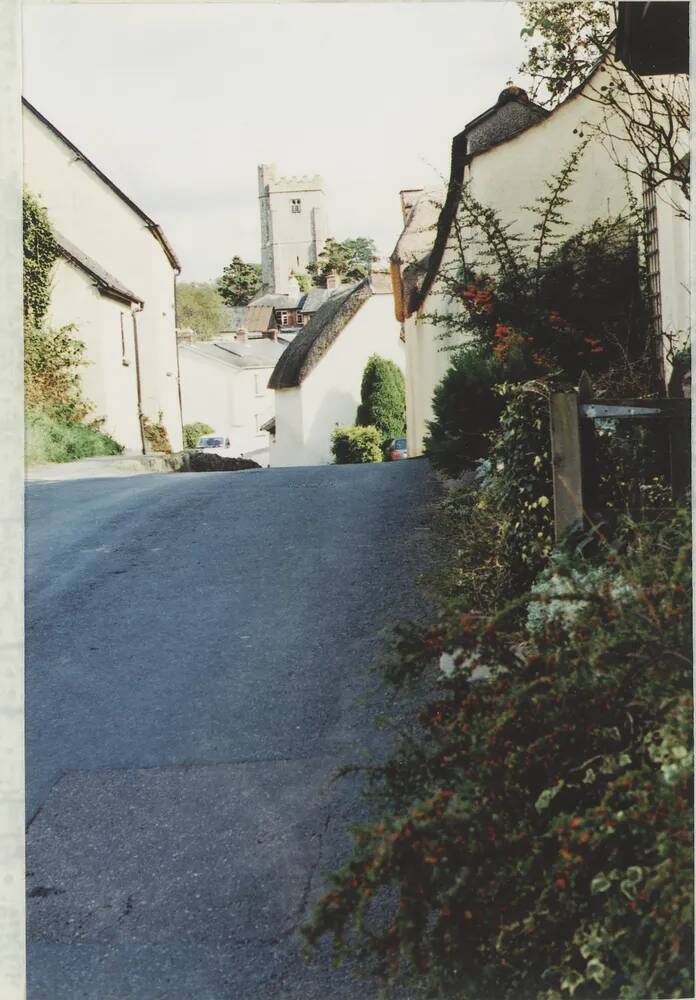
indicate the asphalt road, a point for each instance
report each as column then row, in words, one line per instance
column 198, row 651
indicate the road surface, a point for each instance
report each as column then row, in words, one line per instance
column 198, row 650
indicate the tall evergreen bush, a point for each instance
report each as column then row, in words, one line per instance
column 383, row 398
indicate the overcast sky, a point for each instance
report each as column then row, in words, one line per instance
column 179, row 103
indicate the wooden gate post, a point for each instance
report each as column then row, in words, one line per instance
column 566, row 461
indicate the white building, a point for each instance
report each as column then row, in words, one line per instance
column 224, row 384
column 293, row 225
column 506, row 156
column 115, row 281
column 317, row 380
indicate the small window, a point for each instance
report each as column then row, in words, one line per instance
column 295, row 206
column 284, row 316
column 258, row 385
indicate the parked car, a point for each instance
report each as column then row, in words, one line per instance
column 397, row 449
column 215, row 444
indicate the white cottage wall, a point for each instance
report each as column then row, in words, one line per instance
column 330, row 394
column 512, row 175
column 108, row 383
column 207, row 392
column 84, row 209
column 233, row 401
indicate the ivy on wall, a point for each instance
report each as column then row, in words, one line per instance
column 40, row 253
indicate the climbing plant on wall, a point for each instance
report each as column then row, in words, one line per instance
column 40, row 253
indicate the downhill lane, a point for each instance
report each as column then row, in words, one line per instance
column 197, row 652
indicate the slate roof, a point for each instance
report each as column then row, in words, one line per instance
column 150, row 224
column 261, row 353
column 312, row 343
column 105, row 282
column 277, row 301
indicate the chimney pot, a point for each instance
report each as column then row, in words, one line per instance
column 409, row 197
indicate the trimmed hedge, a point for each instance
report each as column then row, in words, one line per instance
column 356, row 445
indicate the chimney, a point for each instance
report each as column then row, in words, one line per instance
column 333, row 280
column 272, row 335
column 409, row 197
column 242, row 335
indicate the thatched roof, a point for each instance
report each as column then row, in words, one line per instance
column 412, row 252
column 312, row 343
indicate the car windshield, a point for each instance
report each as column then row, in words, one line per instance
column 400, row 444
column 210, row 442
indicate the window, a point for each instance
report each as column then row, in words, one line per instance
column 283, row 317
column 295, row 206
column 258, row 384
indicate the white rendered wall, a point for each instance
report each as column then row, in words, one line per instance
column 88, row 213
column 330, row 394
column 234, row 402
column 107, row 383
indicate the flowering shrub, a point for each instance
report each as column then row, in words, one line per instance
column 521, row 488
column 562, row 592
column 536, row 841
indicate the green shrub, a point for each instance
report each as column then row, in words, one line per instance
column 466, row 409
column 51, row 378
column 356, row 445
column 383, row 398
column 536, row 840
column 50, row 439
column 156, row 437
column 194, row 431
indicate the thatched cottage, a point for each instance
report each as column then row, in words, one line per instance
column 317, row 378
column 505, row 156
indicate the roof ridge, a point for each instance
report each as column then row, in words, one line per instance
column 153, row 226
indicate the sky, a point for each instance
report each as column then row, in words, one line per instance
column 179, row 103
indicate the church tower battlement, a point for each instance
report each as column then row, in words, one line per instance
column 293, row 225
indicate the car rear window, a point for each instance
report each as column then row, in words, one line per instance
column 400, row 444
column 210, row 442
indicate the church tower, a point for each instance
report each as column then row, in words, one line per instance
column 293, row 225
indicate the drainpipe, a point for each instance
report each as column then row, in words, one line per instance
column 178, row 368
column 134, row 310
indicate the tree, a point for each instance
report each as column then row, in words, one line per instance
column 350, row 259
column 239, row 282
column 645, row 120
column 383, row 398
column 200, row 307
